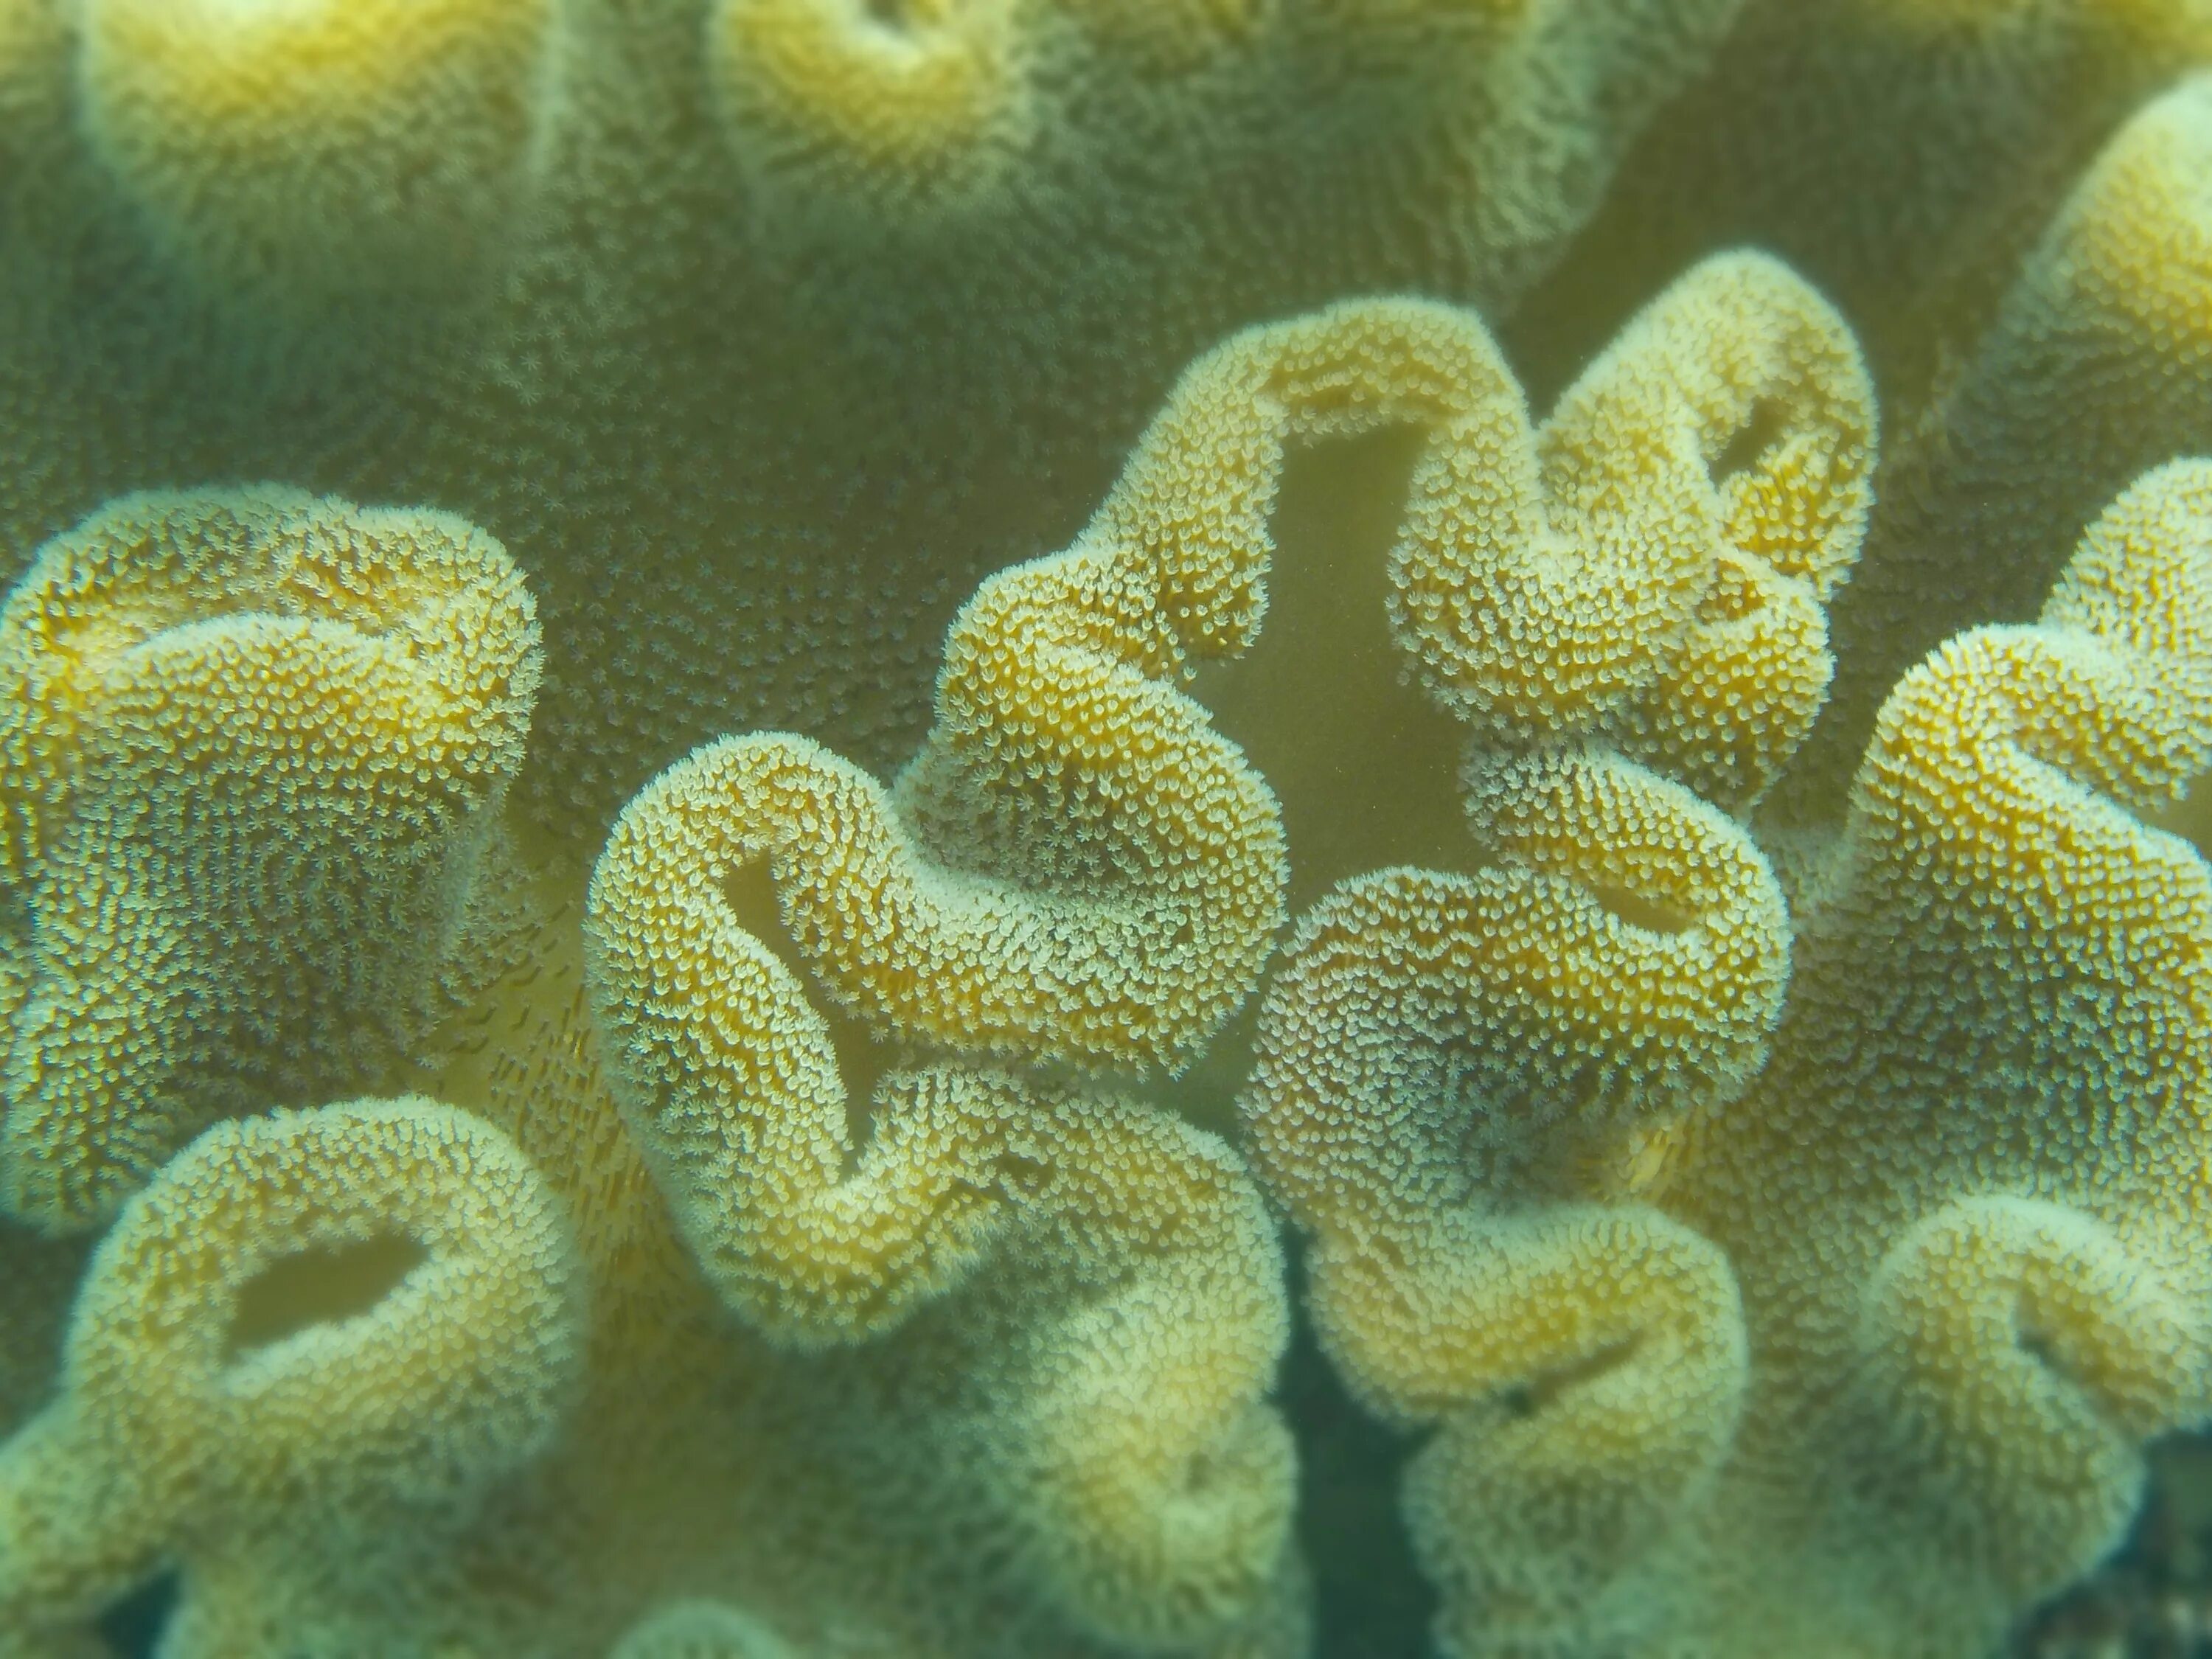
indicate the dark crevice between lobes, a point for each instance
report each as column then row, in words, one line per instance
column 1365, row 766
column 319, row 1285
column 863, row 1061
column 131, row 1626
column 1638, row 910
column 1204, row 1092
column 1370, row 1601
column 2189, row 817
column 1535, row 1395
column 1763, row 427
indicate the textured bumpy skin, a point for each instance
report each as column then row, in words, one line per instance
column 1988, row 1105
column 302, row 153
column 1047, row 1442
column 250, row 745
column 2099, row 365
column 764, row 330
column 1153, row 852
column 1460, row 1081
column 781, row 323
column 1625, row 569
column 1902, row 154
column 924, row 114
column 731, row 1084
column 973, row 1186
column 1453, row 1074
column 1076, row 869
column 207, row 1397
column 1650, row 565
column 1434, row 1041
column 1904, row 1311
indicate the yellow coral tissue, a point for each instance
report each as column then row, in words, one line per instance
column 1105, row 828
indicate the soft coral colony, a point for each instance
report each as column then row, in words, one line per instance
column 516, row 1138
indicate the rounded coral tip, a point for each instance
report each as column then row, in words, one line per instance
column 904, row 110
column 356, row 1316
column 303, row 150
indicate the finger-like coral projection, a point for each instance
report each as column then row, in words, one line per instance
column 765, row 332
column 352, row 1320
column 1158, row 870
column 1647, row 567
column 1653, row 562
column 2021, row 1356
column 898, row 115
column 315, row 150
column 2099, row 365
column 1439, row 1050
column 1062, row 759
column 1433, row 1039
column 1954, row 1225
column 1454, row 1077
column 1620, row 961
column 1115, row 1425
column 251, row 743
column 1986, row 1112
column 1903, row 153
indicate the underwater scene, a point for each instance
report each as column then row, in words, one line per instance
column 1105, row 830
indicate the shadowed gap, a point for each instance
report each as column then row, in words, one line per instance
column 862, row 1060
column 1365, row 766
column 319, row 1286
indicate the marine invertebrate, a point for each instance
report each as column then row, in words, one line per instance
column 1903, row 153
column 1955, row 1224
column 756, row 251
column 981, row 1316
column 923, row 112
column 354, row 1318
column 1145, row 1479
column 251, row 743
column 1452, row 1074
column 2097, row 365
column 299, row 155
column 1060, row 756
column 1647, row 568
column 763, row 330
column 1062, row 759
column 1639, row 576
column 1168, row 889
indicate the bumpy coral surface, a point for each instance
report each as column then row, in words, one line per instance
column 1664, row 887
column 1142, row 1479
column 217, row 1390
column 2099, row 365
column 1903, row 153
column 1648, row 566
column 250, row 746
column 660, row 292
column 1901, row 1313
column 372, row 147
